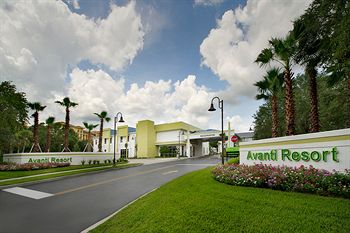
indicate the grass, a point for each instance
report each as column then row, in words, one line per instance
column 197, row 203
column 72, row 170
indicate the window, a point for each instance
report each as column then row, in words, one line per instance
column 121, row 139
column 128, row 138
column 110, row 140
column 105, row 140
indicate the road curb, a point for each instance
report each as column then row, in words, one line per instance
column 116, row 212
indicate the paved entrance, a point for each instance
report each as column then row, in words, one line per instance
column 75, row 203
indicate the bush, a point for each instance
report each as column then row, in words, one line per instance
column 30, row 166
column 122, row 160
column 301, row 179
column 90, row 162
column 233, row 161
column 83, row 162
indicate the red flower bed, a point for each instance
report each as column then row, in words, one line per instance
column 297, row 179
column 30, row 166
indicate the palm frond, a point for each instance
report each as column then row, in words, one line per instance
column 264, row 57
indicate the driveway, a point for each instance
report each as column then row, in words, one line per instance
column 73, row 204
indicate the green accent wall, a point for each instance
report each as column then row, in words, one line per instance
column 175, row 126
column 123, row 131
column 146, row 139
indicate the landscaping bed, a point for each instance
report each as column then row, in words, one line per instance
column 196, row 202
column 296, row 179
column 30, row 166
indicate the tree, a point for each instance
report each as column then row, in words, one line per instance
column 282, row 51
column 49, row 124
column 67, row 103
column 23, row 139
column 308, row 53
column 103, row 116
column 36, row 107
column 268, row 89
column 326, row 36
column 13, row 117
column 89, row 127
column 331, row 99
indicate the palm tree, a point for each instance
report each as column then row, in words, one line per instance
column 268, row 88
column 103, row 116
column 37, row 107
column 282, row 51
column 49, row 123
column 309, row 53
column 89, row 127
column 67, row 103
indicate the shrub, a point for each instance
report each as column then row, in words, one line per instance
column 233, row 161
column 301, row 179
column 83, row 162
column 122, row 160
column 90, row 162
column 30, row 166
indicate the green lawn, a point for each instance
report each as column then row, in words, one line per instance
column 197, row 203
column 72, row 170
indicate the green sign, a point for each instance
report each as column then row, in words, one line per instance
column 289, row 155
column 51, row 160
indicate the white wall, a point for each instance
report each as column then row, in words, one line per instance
column 131, row 144
column 74, row 158
column 307, row 143
column 170, row 136
column 107, row 146
column 205, row 148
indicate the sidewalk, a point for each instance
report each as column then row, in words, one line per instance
column 154, row 160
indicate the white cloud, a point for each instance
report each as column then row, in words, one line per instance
column 162, row 101
column 74, row 3
column 231, row 48
column 40, row 40
column 238, row 124
column 207, row 2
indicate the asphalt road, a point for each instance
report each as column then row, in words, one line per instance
column 78, row 202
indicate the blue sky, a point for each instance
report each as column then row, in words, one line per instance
column 162, row 60
column 171, row 52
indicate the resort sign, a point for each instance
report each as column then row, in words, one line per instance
column 286, row 154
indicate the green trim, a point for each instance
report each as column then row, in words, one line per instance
column 170, row 143
column 174, row 126
column 300, row 141
column 123, row 131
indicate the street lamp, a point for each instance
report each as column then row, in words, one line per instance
column 115, row 123
column 212, row 109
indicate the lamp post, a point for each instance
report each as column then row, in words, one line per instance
column 115, row 123
column 212, row 109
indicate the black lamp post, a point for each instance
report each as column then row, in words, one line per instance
column 212, row 109
column 115, row 123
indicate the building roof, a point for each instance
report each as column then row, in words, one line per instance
column 249, row 134
column 180, row 125
column 131, row 129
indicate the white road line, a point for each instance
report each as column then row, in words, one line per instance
column 166, row 173
column 28, row 193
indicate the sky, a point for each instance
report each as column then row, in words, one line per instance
column 162, row 60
